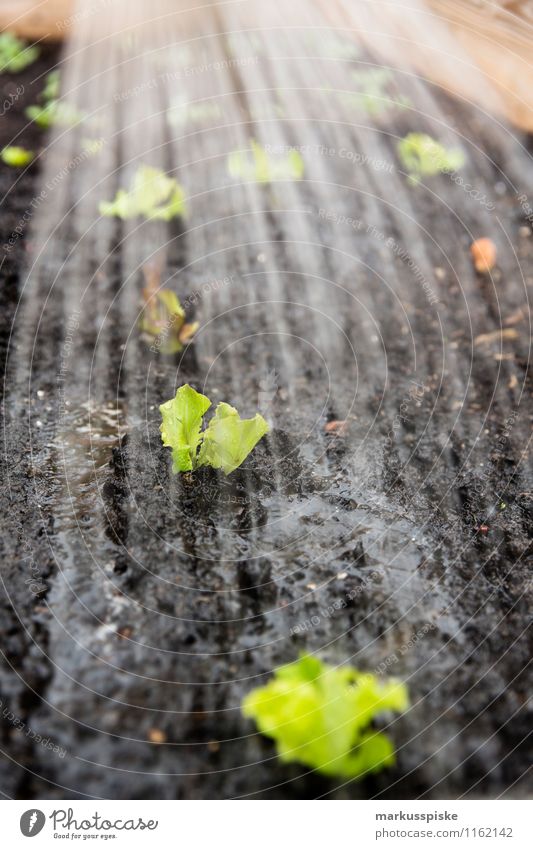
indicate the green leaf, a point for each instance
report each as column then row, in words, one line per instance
column 15, row 54
column 182, row 421
column 229, row 439
column 52, row 86
column 152, row 194
column 55, row 113
column 372, row 95
column 16, row 157
column 423, row 156
column 163, row 320
column 224, row 445
column 264, row 167
column 171, row 302
column 321, row 716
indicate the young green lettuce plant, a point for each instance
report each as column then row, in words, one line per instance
column 16, row 54
column 321, row 716
column 372, row 96
column 52, row 86
column 262, row 167
column 163, row 321
column 224, row 444
column 53, row 112
column 16, row 157
column 423, row 156
column 152, row 195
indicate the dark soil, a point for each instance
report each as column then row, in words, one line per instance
column 137, row 605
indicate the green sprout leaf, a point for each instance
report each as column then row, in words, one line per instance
column 52, row 86
column 152, row 194
column 53, row 112
column 229, row 439
column 321, row 716
column 423, row 156
column 372, row 96
column 226, row 442
column 16, row 157
column 56, row 113
column 263, row 167
column 163, row 321
column 182, row 421
column 16, row 54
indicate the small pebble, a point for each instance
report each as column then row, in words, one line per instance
column 483, row 254
column 338, row 427
column 155, row 735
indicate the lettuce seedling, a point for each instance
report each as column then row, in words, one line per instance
column 53, row 112
column 264, row 168
column 372, row 96
column 422, row 156
column 152, row 194
column 52, row 86
column 163, row 321
column 16, row 157
column 224, row 444
column 16, row 54
column 229, row 439
column 322, row 715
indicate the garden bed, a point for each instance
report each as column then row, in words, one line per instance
column 138, row 608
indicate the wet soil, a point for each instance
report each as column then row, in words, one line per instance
column 138, row 608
